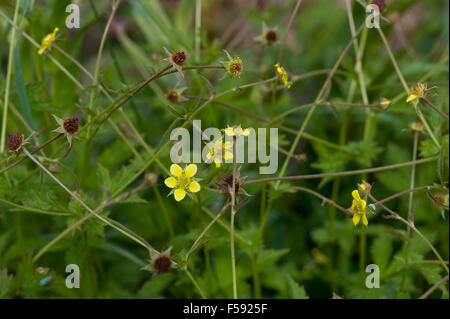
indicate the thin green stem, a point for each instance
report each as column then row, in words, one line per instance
column 8, row 79
column 194, row 282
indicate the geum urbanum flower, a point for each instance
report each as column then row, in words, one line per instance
column 175, row 95
column 47, row 41
column 182, row 181
column 233, row 66
column 359, row 209
column 68, row 127
column 220, row 150
column 236, row 131
column 160, row 263
column 15, row 141
column 177, row 59
column 416, row 92
column 283, row 75
column 269, row 35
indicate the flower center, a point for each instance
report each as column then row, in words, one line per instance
column 184, row 181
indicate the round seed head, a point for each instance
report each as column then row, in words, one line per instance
column 271, row 36
column 227, row 183
column 179, row 58
column 235, row 67
column 162, row 264
column 14, row 141
column 381, row 5
column 71, row 125
column 173, row 96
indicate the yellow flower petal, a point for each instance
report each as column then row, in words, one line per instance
column 356, row 218
column 228, row 145
column 194, row 187
column 171, row 182
column 176, row 170
column 411, row 98
column 190, row 170
column 179, row 194
column 217, row 161
column 228, row 155
column 210, row 154
column 363, row 206
column 229, row 131
column 364, row 219
column 218, row 145
column 246, row 132
column 355, row 195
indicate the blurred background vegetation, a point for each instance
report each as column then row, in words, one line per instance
column 308, row 249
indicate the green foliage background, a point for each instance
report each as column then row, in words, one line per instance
column 308, row 249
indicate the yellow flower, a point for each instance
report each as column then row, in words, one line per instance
column 47, row 41
column 417, row 91
column 284, row 77
column 236, row 130
column 219, row 151
column 182, row 181
column 358, row 208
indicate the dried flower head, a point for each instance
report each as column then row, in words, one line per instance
column 381, row 4
column 234, row 66
column 160, row 263
column 268, row 35
column 271, row 36
column 226, row 185
column 417, row 126
column 71, row 124
column 47, row 41
column 175, row 95
column 68, row 127
column 177, row 59
column 15, row 141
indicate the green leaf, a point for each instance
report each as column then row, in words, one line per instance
column 296, row 291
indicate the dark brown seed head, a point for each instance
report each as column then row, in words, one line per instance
column 179, row 57
column 271, row 36
column 381, row 5
column 71, row 125
column 14, row 141
column 162, row 264
column 227, row 183
column 173, row 96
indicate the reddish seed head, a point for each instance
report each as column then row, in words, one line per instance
column 381, row 5
column 71, row 125
column 228, row 183
column 271, row 36
column 14, row 141
column 179, row 57
column 162, row 264
column 236, row 67
column 173, row 96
